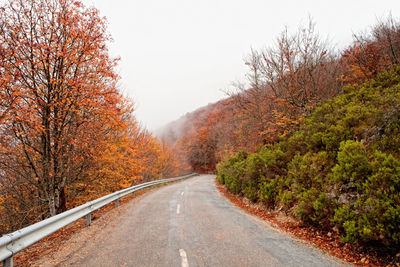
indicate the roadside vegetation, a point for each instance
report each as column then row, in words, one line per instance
column 340, row 171
column 313, row 132
column 67, row 133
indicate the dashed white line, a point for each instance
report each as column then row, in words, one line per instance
column 182, row 193
column 178, row 209
column 184, row 261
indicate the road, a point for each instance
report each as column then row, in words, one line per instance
column 191, row 224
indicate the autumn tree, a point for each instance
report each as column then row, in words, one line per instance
column 387, row 33
column 117, row 163
column 284, row 83
column 301, row 68
column 258, row 109
column 372, row 52
column 161, row 161
column 59, row 95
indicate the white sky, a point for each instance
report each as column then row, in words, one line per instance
column 177, row 55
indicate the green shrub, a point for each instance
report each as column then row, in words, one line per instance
column 315, row 207
column 352, row 168
column 390, row 141
column 375, row 215
column 309, row 170
column 341, row 168
column 250, row 190
column 381, row 203
column 269, row 189
column 231, row 171
column 254, row 167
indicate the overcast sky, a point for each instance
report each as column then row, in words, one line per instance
column 178, row 55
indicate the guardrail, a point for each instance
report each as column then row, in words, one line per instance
column 18, row 240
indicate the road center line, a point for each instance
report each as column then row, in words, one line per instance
column 184, row 261
column 178, row 208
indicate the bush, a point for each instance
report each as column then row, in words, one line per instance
column 315, row 208
column 231, row 171
column 308, row 171
column 269, row 189
column 352, row 168
column 341, row 168
column 374, row 216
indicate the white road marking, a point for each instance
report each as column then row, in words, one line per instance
column 178, row 208
column 184, row 261
column 182, row 193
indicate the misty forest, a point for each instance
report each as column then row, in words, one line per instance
column 315, row 135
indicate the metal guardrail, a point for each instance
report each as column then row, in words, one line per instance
column 18, row 240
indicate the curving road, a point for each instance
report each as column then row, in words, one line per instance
column 191, row 224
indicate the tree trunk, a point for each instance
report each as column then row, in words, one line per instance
column 52, row 205
column 62, row 202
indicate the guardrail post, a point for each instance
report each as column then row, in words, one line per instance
column 8, row 262
column 88, row 219
column 133, row 194
column 117, row 203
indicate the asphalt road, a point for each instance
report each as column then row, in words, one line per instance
column 191, row 224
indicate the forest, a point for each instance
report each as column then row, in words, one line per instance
column 313, row 132
column 67, row 133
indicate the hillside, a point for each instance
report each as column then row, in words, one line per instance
column 340, row 171
column 315, row 135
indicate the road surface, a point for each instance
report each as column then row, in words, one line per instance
column 191, row 224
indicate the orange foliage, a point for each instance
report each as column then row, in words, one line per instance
column 363, row 62
column 244, row 121
column 372, row 53
column 67, row 134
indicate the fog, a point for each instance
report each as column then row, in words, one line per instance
column 178, row 55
